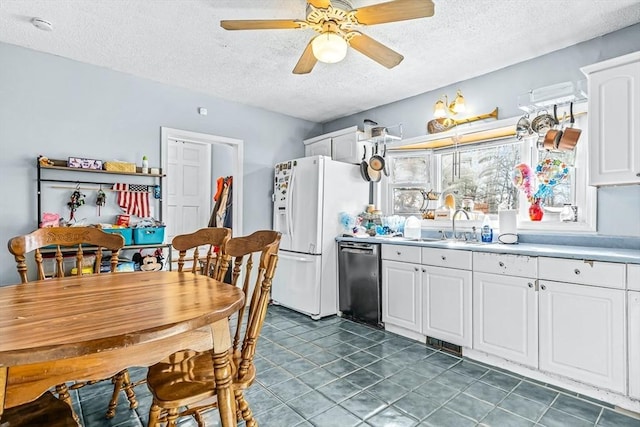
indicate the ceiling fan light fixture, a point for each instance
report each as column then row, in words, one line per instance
column 329, row 47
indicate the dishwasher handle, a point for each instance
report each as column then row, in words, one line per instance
column 357, row 251
column 358, row 248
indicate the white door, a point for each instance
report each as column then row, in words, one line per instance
column 582, row 333
column 634, row 343
column 401, row 294
column 186, row 202
column 446, row 305
column 188, row 187
column 505, row 317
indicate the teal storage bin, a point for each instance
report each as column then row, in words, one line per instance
column 148, row 235
column 127, row 233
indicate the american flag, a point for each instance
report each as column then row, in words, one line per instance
column 133, row 198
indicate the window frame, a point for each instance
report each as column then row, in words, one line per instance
column 585, row 195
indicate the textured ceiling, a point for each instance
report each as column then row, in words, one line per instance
column 180, row 42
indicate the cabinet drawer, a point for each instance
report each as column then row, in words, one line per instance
column 596, row 273
column 447, row 258
column 401, row 253
column 509, row 265
column 633, row 277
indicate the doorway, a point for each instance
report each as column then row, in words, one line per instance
column 192, row 163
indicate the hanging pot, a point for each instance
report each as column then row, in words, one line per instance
column 523, row 127
column 364, row 166
column 553, row 135
column 542, row 123
column 386, row 166
column 570, row 135
column 376, row 162
column 374, row 175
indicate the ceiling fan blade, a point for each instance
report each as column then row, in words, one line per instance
column 319, row 4
column 392, row 11
column 306, row 62
column 375, row 50
column 260, row 24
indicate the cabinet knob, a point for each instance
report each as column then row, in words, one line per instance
column 543, row 287
column 398, row 253
column 424, row 270
column 530, row 285
column 444, row 258
column 576, row 271
column 638, row 174
column 501, row 264
column 416, row 268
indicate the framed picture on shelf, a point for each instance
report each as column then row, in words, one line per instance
column 78, row 162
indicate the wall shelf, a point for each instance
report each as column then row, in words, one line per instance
column 62, row 165
column 560, row 94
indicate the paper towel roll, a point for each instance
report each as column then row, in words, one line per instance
column 507, row 224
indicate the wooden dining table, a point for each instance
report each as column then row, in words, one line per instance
column 91, row 327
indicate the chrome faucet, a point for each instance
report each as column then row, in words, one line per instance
column 455, row 236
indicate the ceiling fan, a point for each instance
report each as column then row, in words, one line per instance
column 338, row 26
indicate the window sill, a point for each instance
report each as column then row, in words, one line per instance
column 524, row 225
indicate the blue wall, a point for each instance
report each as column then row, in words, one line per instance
column 618, row 207
column 59, row 107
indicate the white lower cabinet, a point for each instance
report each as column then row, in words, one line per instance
column 633, row 313
column 505, row 317
column 446, row 304
column 582, row 333
column 401, row 294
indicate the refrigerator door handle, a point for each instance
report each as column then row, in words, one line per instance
column 294, row 258
column 292, row 180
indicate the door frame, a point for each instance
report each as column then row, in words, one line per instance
column 237, row 145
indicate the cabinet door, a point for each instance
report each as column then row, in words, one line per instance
column 319, row 148
column 401, row 294
column 634, row 344
column 446, row 304
column 505, row 317
column 614, row 134
column 347, row 149
column 582, row 333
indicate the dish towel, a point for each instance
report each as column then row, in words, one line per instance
column 133, row 199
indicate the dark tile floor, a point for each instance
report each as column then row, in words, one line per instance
column 334, row 372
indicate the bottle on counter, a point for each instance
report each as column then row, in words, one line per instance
column 145, row 164
column 486, row 233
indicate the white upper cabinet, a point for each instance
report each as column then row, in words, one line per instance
column 318, row 148
column 614, row 128
column 342, row 145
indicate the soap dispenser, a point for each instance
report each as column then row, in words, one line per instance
column 486, row 233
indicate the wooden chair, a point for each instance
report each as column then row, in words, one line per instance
column 186, row 379
column 57, row 238
column 206, row 263
column 44, row 411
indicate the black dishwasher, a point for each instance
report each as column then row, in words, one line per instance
column 359, row 282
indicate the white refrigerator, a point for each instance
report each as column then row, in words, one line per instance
column 309, row 194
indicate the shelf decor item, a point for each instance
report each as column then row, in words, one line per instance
column 535, row 211
column 81, row 163
column 120, row 166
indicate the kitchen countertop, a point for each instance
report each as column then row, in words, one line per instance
column 629, row 256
